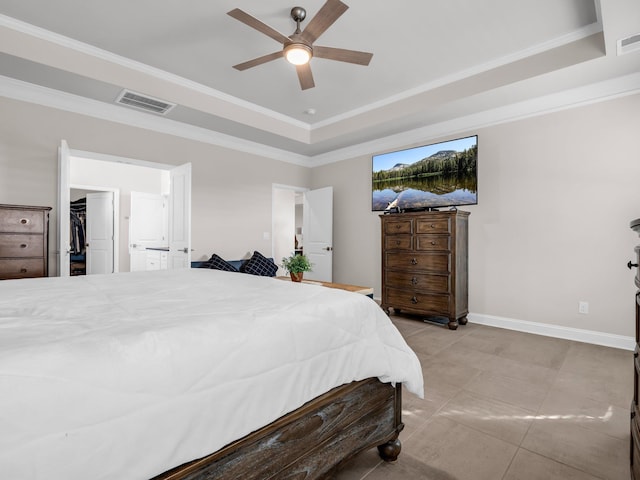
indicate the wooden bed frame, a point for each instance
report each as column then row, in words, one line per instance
column 311, row 442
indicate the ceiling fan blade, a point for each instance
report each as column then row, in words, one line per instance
column 343, row 55
column 258, row 61
column 258, row 25
column 305, row 76
column 325, row 17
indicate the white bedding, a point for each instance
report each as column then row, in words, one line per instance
column 123, row 376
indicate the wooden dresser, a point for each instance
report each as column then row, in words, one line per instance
column 635, row 413
column 425, row 264
column 24, row 241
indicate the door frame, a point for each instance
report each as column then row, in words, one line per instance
column 64, row 182
column 279, row 186
column 116, row 216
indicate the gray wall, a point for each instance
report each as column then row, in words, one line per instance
column 556, row 194
column 231, row 191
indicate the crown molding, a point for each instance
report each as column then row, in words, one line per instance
column 90, row 50
column 573, row 98
column 597, row 92
column 470, row 72
column 28, row 92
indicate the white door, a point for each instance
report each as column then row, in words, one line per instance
column 64, row 248
column 180, row 217
column 99, row 233
column 317, row 225
column 147, row 226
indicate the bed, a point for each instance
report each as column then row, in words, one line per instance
column 193, row 374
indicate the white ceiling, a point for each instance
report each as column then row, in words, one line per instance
column 437, row 68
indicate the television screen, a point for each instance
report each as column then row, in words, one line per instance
column 439, row 175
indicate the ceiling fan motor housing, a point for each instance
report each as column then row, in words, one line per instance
column 298, row 14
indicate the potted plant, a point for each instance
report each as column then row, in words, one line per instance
column 296, row 265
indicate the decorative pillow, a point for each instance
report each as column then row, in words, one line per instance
column 218, row 263
column 258, row 264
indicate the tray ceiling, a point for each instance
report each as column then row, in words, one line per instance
column 434, row 63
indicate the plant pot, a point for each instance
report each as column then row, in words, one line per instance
column 296, row 277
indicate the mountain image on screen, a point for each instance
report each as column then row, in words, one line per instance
column 444, row 177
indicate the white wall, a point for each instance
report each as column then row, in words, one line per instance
column 556, row 195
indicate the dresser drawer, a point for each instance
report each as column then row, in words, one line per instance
column 21, row 268
column 156, row 260
column 636, row 374
column 637, row 277
column 431, row 262
column 398, row 242
column 434, row 283
column 17, row 245
column 433, row 242
column 22, row 221
column 635, row 439
column 397, row 226
column 424, row 302
column 434, row 225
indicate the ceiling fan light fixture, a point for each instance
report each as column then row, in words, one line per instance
column 297, row 53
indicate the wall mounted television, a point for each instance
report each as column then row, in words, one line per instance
column 443, row 174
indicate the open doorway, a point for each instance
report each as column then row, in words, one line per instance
column 302, row 222
column 112, row 173
column 287, row 218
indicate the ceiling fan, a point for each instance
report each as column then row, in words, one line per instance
column 298, row 48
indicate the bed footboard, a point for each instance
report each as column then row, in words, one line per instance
column 312, row 442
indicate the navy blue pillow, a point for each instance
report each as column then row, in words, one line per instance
column 258, row 264
column 218, row 263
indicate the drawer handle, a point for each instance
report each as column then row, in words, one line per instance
column 398, row 226
column 433, row 242
column 630, row 265
column 23, row 270
column 414, row 300
column 414, row 261
column 23, row 245
column 414, row 281
column 24, row 221
column 433, row 225
column 397, row 242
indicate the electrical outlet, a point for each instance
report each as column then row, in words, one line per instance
column 583, row 307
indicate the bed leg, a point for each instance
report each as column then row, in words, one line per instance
column 389, row 451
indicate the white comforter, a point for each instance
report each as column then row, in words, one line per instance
column 125, row 376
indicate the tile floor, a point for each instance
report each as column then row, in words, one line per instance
column 505, row 405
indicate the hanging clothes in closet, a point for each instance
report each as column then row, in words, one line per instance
column 78, row 212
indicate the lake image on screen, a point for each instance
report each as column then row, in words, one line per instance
column 442, row 174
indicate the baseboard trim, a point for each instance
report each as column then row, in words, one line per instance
column 568, row 333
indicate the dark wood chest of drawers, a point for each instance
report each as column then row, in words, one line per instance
column 635, row 413
column 425, row 264
column 24, row 241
